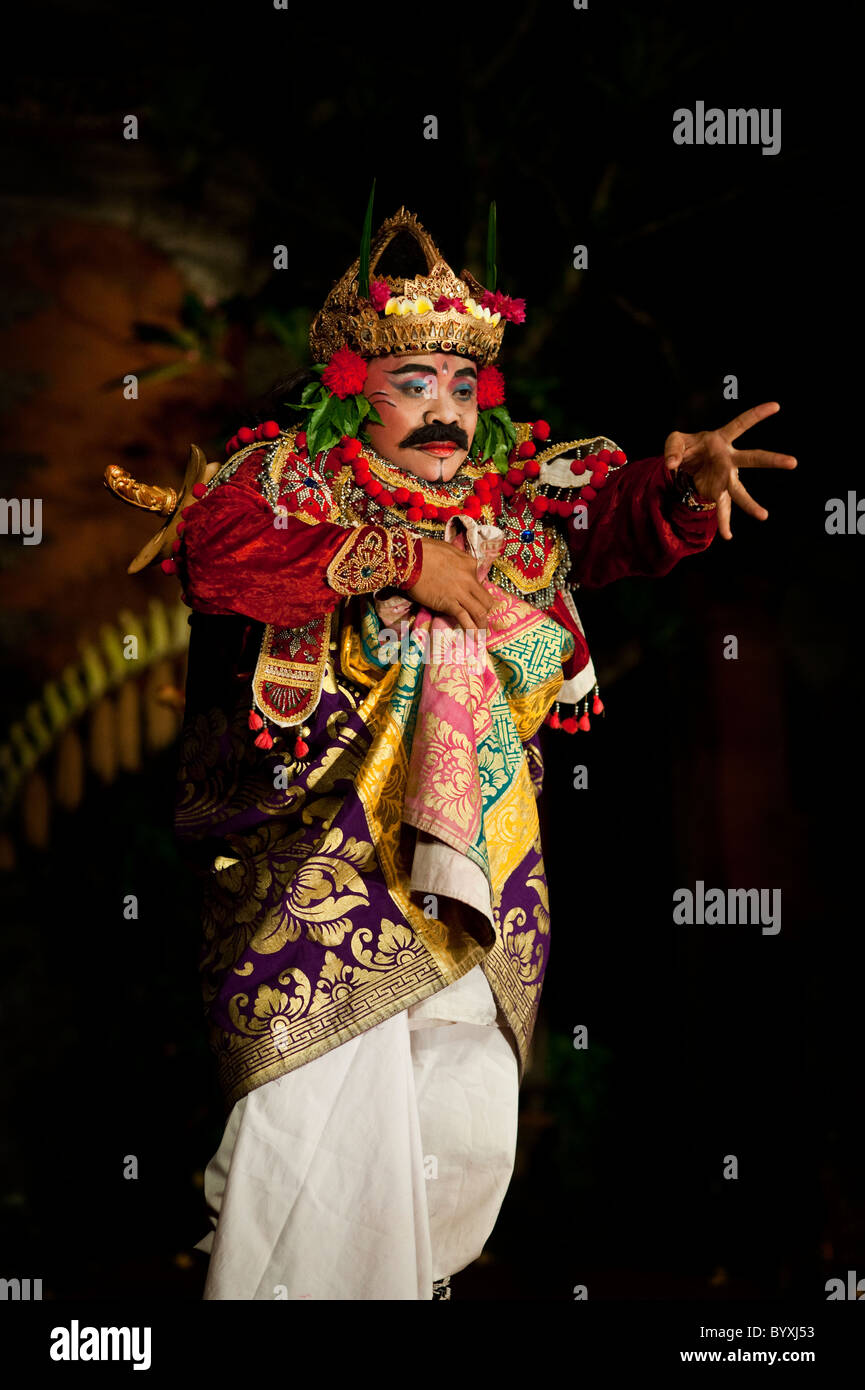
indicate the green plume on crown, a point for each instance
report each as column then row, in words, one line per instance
column 491, row 248
column 365, row 240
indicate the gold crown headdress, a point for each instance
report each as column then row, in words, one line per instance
column 409, row 321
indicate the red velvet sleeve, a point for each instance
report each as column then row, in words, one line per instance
column 637, row 525
column 236, row 560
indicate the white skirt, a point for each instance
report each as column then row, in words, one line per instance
column 375, row 1169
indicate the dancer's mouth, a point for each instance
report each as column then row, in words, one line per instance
column 442, row 449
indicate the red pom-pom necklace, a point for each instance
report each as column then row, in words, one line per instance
column 485, row 490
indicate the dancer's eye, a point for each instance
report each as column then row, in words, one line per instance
column 464, row 391
column 418, row 388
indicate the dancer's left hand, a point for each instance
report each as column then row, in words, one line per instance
column 714, row 464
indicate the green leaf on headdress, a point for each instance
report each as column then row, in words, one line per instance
column 491, row 248
column 345, row 417
column 329, row 418
column 365, row 240
column 319, row 428
column 495, row 436
column 312, row 391
column 311, row 398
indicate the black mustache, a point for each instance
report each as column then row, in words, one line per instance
column 436, row 433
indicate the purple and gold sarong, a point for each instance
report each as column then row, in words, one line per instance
column 403, row 850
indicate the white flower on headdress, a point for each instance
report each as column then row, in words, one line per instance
column 423, row 305
column 476, row 311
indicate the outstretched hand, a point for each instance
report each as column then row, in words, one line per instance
column 713, row 463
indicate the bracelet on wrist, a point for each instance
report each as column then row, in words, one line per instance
column 686, row 492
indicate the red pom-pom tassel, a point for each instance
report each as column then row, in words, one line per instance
column 553, row 720
column 255, row 720
column 584, row 723
column 597, row 705
column 300, row 748
column 264, row 740
column 570, row 724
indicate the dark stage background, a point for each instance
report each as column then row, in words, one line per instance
column 259, row 127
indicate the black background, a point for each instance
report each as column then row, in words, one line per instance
column 705, row 261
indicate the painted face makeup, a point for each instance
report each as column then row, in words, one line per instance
column 429, row 411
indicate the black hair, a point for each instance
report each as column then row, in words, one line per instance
column 272, row 405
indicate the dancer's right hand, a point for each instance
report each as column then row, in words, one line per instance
column 449, row 584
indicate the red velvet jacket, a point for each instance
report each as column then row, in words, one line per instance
column 237, row 561
column 637, row 525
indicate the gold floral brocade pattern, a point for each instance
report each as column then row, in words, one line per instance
column 372, row 558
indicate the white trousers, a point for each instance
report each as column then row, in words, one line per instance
column 375, row 1169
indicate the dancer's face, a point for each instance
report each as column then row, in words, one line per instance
column 428, row 405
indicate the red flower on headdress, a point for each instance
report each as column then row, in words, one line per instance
column 345, row 373
column 491, row 388
column 512, row 310
column 443, row 303
column 379, row 294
